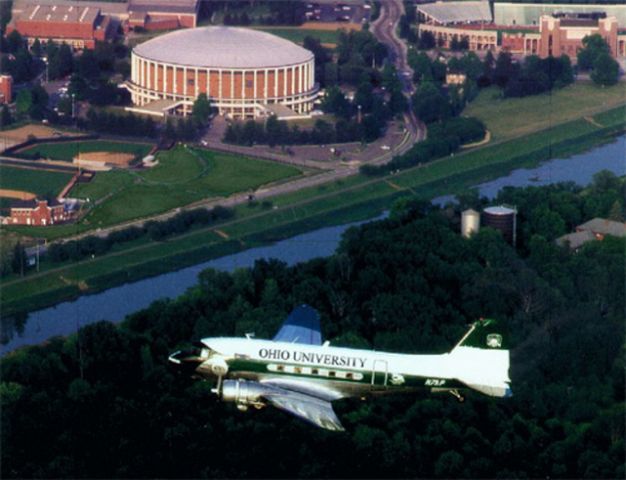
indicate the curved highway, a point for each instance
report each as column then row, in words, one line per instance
column 385, row 28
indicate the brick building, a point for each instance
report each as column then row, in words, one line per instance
column 564, row 36
column 542, row 30
column 163, row 14
column 6, row 89
column 77, row 26
column 37, row 212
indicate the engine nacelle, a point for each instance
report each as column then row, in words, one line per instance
column 215, row 366
column 243, row 392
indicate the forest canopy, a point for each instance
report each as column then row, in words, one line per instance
column 104, row 403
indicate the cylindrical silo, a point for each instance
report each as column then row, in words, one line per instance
column 470, row 222
column 504, row 219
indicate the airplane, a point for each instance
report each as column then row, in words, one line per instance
column 299, row 374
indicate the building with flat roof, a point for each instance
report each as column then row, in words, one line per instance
column 241, row 71
column 163, row 14
column 78, row 26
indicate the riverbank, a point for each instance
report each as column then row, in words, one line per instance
column 352, row 199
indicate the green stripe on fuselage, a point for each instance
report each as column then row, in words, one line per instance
column 382, row 380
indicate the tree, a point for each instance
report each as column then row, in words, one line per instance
column 18, row 261
column 36, row 48
column 23, row 102
column 605, row 70
column 429, row 104
column 201, row 108
column 504, row 69
column 335, row 102
column 87, row 65
column 14, row 41
column 60, row 60
column 593, row 45
column 5, row 116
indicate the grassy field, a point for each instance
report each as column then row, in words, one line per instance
column 69, row 150
column 39, row 182
column 183, row 176
column 297, row 35
column 339, row 202
column 513, row 117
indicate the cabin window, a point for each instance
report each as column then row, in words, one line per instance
column 315, row 371
column 349, row 375
column 280, row 368
column 298, row 370
column 331, row 374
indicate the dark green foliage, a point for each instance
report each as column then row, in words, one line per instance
column 593, row 46
column 429, row 103
column 201, row 108
column 443, row 139
column 277, row 132
column 358, row 53
column 605, row 70
column 101, row 403
column 534, row 76
column 18, row 259
column 127, row 125
column 15, row 59
column 156, row 230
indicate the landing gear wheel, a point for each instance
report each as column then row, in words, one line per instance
column 457, row 395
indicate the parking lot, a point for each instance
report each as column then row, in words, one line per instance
column 356, row 11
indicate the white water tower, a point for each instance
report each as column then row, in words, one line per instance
column 470, row 222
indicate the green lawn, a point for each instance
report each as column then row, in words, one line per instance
column 297, row 35
column 39, row 182
column 183, row 176
column 513, row 117
column 69, row 150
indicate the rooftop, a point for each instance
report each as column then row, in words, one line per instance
column 604, row 227
column 575, row 240
column 223, row 47
column 165, row 6
column 457, row 12
column 58, row 13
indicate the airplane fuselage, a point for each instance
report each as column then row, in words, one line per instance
column 346, row 371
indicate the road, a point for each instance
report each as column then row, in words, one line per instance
column 385, row 29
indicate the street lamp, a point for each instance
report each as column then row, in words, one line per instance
column 358, row 118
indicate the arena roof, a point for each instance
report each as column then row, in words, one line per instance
column 223, row 47
column 457, row 12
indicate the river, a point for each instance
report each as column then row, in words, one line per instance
column 114, row 304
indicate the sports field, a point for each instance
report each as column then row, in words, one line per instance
column 183, row 176
column 513, row 117
column 69, row 150
column 39, row 182
column 297, row 35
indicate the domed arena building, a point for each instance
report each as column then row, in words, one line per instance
column 244, row 73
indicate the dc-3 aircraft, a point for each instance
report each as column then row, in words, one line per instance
column 298, row 373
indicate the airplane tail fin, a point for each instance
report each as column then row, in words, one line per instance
column 481, row 359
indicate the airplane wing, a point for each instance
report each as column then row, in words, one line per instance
column 302, row 326
column 302, row 399
column 314, row 410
